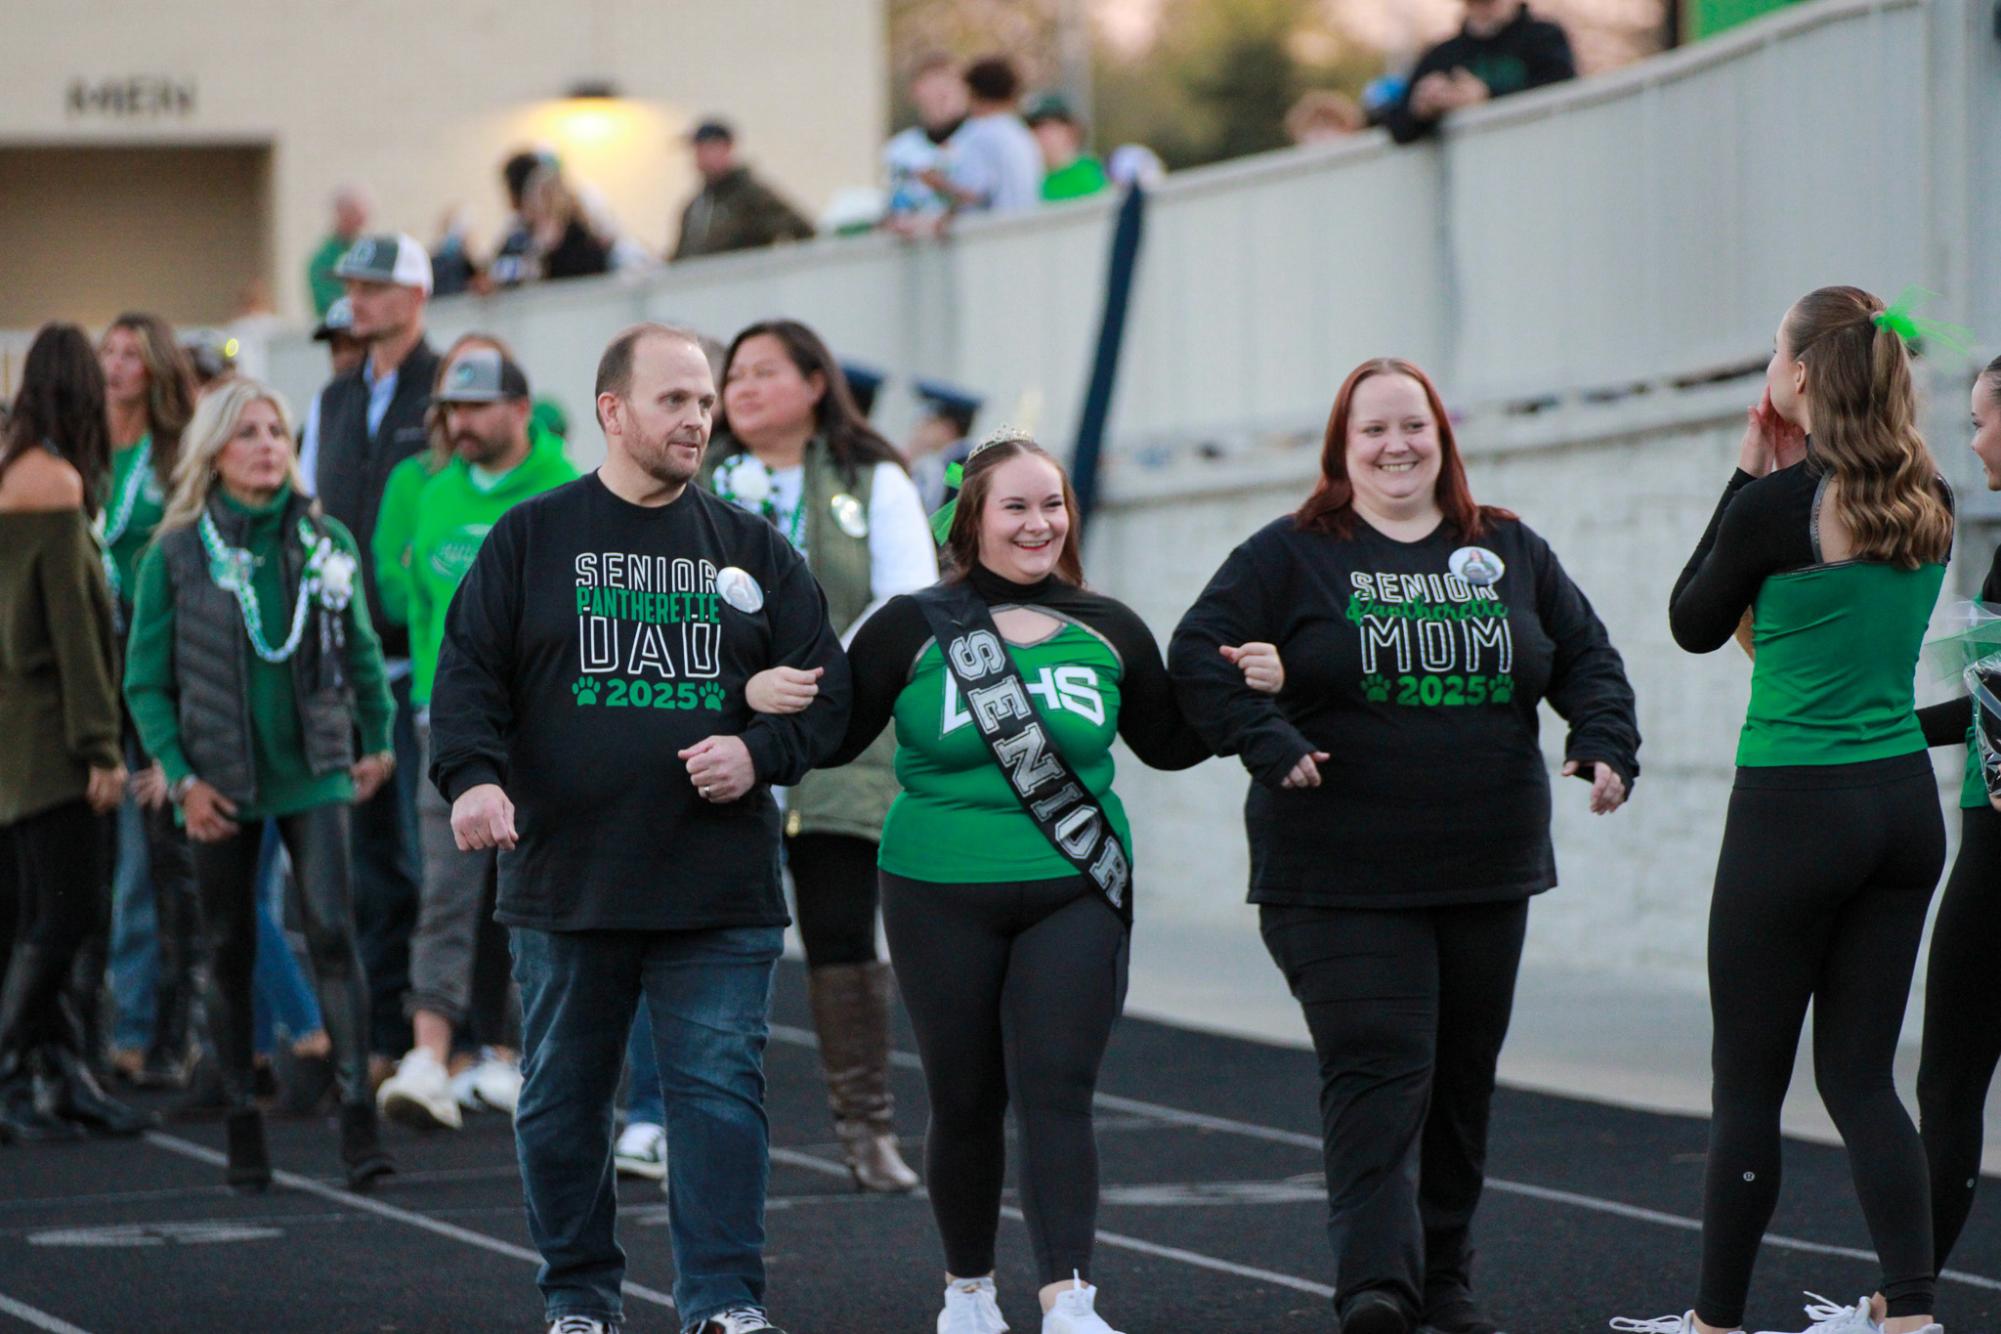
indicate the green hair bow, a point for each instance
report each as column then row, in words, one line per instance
column 1900, row 317
column 941, row 522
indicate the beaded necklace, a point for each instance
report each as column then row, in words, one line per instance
column 329, row 576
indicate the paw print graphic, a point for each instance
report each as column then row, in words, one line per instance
column 1376, row 687
column 712, row 697
column 1503, row 691
column 586, row 690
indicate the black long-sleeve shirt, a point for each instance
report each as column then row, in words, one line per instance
column 590, row 642
column 1423, row 690
column 1527, row 53
column 1761, row 527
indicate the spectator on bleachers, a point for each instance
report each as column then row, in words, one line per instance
column 1320, row 115
column 939, row 94
column 350, row 218
column 995, row 166
column 1068, row 171
column 1502, row 49
column 735, row 210
column 564, row 242
column 511, row 264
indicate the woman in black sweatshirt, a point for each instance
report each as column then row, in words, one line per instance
column 1399, row 821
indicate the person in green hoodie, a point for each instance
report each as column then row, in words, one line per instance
column 458, row 954
column 251, row 664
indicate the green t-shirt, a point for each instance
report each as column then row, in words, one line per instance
column 957, row 819
column 326, row 288
column 1836, row 666
column 1085, row 176
column 132, row 511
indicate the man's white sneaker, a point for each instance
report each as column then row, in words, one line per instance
column 1073, row 1313
column 970, row 1308
column 1833, row 1318
column 419, row 1094
column 496, row 1082
column 580, row 1324
column 463, row 1094
column 1666, row 1324
column 641, row 1151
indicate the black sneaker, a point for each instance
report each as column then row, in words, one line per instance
column 1454, row 1312
column 1372, row 1312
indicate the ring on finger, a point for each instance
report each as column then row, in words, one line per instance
column 704, row 793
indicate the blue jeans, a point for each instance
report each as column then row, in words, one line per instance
column 134, row 964
column 280, row 997
column 643, row 1099
column 709, row 993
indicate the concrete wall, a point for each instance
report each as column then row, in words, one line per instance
column 421, row 102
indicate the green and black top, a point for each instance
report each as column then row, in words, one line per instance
column 957, row 819
column 1836, row 641
column 132, row 511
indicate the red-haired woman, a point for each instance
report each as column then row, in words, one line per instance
column 1399, row 821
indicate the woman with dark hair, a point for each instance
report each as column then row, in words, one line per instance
column 252, row 666
column 148, row 398
column 1006, row 882
column 797, row 450
column 1962, row 1041
column 1833, row 842
column 1399, row 814
column 60, row 771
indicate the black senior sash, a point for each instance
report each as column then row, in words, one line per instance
column 1047, row 787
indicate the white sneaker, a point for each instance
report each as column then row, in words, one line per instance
column 970, row 1308
column 463, row 1093
column 1833, row 1318
column 641, row 1151
column 1666, row 1324
column 738, row 1320
column 419, row 1094
column 1072, row 1313
column 496, row 1082
column 581, row 1324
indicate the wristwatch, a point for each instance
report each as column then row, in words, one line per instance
column 178, row 793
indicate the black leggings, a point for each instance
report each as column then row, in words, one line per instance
column 1408, row 1010
column 1012, row 990
column 1962, row 1024
column 53, row 866
column 226, row 874
column 1821, row 891
column 833, row 879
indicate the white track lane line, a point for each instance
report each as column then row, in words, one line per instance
column 1273, row 1135
column 1116, row 1240
column 368, row 1204
column 28, row 1315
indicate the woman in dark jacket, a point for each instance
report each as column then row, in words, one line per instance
column 251, row 663
column 1399, row 821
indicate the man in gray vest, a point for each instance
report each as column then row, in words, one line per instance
column 370, row 420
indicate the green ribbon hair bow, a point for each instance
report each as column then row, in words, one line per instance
column 1901, row 318
column 941, row 521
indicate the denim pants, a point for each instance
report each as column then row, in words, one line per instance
column 709, row 996
column 134, row 965
column 643, row 1102
column 388, row 868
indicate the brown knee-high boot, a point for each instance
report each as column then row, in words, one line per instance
column 851, row 1011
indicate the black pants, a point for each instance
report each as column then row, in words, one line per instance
column 226, row 874
column 834, row 879
column 1012, row 990
column 1962, row 1025
column 53, row 866
column 388, row 871
column 1821, row 891
column 1408, row 1010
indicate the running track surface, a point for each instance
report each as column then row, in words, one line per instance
column 1212, row 1218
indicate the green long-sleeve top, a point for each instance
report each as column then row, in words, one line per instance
column 148, row 502
column 58, row 698
column 389, row 544
column 285, row 782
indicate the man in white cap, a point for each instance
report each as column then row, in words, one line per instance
column 370, row 420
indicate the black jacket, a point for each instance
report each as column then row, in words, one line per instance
column 354, row 466
column 1528, row 53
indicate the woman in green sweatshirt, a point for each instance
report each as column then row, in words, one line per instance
column 250, row 664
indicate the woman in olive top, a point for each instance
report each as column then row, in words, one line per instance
column 1833, row 842
column 148, row 399
column 797, row 450
column 1418, row 632
column 250, row 664
column 59, row 766
column 1962, row 1039
column 1010, row 952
